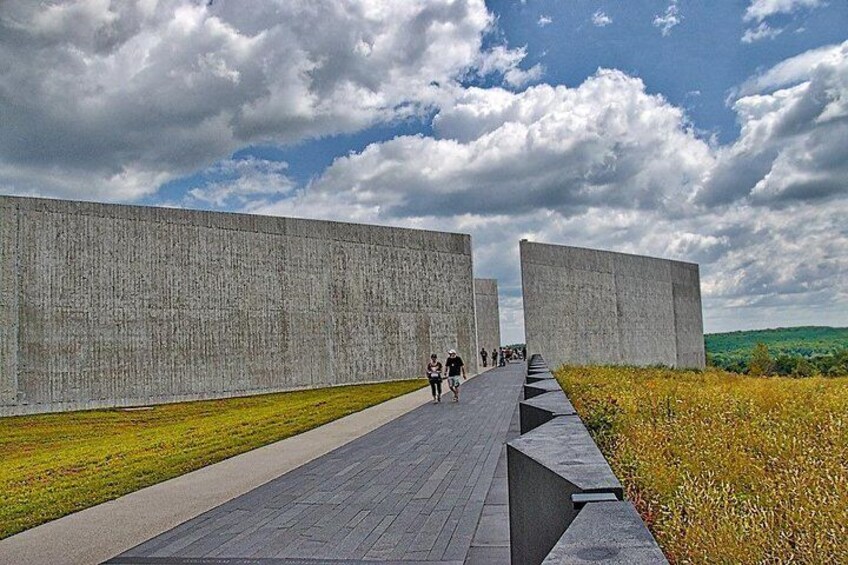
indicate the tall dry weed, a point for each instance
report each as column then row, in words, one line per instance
column 725, row 468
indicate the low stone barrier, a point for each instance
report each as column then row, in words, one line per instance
column 565, row 503
column 542, row 409
column 540, row 387
column 539, row 377
column 606, row 531
column 538, row 369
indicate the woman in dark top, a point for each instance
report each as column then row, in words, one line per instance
column 434, row 375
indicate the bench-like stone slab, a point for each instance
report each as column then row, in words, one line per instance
column 545, row 467
column 608, row 532
column 542, row 409
column 538, row 369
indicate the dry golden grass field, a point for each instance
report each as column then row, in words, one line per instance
column 725, row 468
column 55, row 464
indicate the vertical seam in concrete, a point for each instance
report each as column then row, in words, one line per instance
column 18, row 292
column 523, row 293
column 618, row 315
column 476, row 347
column 676, row 329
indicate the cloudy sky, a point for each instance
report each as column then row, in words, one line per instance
column 701, row 131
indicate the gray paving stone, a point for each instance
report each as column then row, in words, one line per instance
column 491, row 555
column 493, row 527
column 412, row 490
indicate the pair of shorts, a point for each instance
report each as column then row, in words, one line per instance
column 454, row 382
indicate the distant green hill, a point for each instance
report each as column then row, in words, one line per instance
column 815, row 343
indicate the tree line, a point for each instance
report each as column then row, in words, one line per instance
column 796, row 352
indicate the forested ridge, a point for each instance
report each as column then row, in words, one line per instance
column 799, row 351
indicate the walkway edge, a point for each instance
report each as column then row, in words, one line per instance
column 104, row 531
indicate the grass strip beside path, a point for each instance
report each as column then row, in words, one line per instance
column 725, row 468
column 56, row 464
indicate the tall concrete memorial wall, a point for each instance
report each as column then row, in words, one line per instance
column 488, row 314
column 583, row 306
column 109, row 305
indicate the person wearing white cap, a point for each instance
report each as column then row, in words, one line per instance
column 454, row 367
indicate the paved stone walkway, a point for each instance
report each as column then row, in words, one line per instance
column 413, row 490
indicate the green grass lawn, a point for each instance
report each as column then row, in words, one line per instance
column 56, row 464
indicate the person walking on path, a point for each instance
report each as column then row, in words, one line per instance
column 455, row 367
column 494, row 357
column 434, row 375
column 483, row 355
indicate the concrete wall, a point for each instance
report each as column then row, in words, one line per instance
column 583, row 306
column 105, row 305
column 488, row 314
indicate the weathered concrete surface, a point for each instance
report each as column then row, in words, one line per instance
column 488, row 314
column 583, row 306
column 8, row 306
column 106, row 305
column 545, row 467
column 607, row 532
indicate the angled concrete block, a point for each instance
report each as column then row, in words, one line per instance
column 536, row 377
column 543, row 408
column 545, row 468
column 606, row 532
column 540, row 387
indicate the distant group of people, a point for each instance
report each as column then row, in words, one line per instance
column 502, row 355
column 454, row 368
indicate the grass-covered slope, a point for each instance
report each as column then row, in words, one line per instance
column 55, row 464
column 725, row 468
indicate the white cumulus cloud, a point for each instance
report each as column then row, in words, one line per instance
column 762, row 31
column 758, row 10
column 794, row 138
column 601, row 19
column 109, row 99
column 669, row 19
